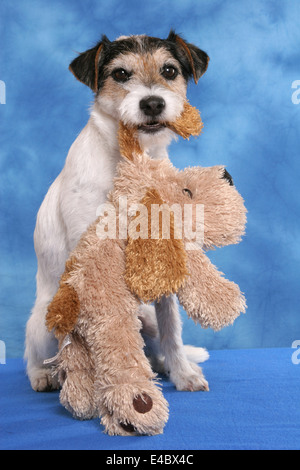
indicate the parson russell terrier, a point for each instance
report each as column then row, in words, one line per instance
column 142, row 81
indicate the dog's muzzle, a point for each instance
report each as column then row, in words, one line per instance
column 152, row 107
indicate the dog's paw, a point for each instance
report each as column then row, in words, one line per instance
column 41, row 380
column 131, row 409
column 190, row 379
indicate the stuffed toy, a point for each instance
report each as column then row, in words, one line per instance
column 124, row 259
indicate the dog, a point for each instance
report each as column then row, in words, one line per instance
column 142, row 81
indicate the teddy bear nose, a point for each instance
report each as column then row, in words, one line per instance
column 227, row 176
column 152, row 106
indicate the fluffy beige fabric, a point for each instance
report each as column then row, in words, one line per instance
column 155, row 267
column 104, row 371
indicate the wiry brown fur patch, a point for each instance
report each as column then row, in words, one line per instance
column 155, row 267
column 146, row 70
column 64, row 309
column 184, row 45
column 97, row 68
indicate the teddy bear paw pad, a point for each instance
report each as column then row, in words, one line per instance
column 142, row 403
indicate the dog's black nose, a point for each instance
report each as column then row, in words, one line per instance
column 152, row 106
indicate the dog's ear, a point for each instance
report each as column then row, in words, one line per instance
column 195, row 60
column 154, row 266
column 86, row 66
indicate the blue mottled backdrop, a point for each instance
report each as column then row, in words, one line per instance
column 251, row 114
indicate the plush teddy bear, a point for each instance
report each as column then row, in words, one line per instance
column 149, row 241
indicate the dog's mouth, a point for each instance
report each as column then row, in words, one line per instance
column 152, row 127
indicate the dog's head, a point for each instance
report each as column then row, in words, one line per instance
column 141, row 80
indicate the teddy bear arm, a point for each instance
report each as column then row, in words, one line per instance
column 64, row 309
column 207, row 296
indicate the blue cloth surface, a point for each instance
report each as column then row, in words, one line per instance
column 251, row 118
column 253, row 403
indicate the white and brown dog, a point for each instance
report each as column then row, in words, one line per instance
column 142, row 81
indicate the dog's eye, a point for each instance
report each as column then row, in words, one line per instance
column 169, row 72
column 187, row 192
column 121, row 75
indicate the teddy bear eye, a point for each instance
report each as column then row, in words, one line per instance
column 187, row 192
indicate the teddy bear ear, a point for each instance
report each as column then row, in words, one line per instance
column 189, row 123
column 154, row 266
column 128, row 142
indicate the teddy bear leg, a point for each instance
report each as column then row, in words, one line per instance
column 128, row 398
column 185, row 375
column 131, row 409
column 76, row 375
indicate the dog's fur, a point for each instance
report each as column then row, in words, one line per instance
column 123, row 74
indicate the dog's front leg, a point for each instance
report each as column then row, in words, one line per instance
column 184, row 374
